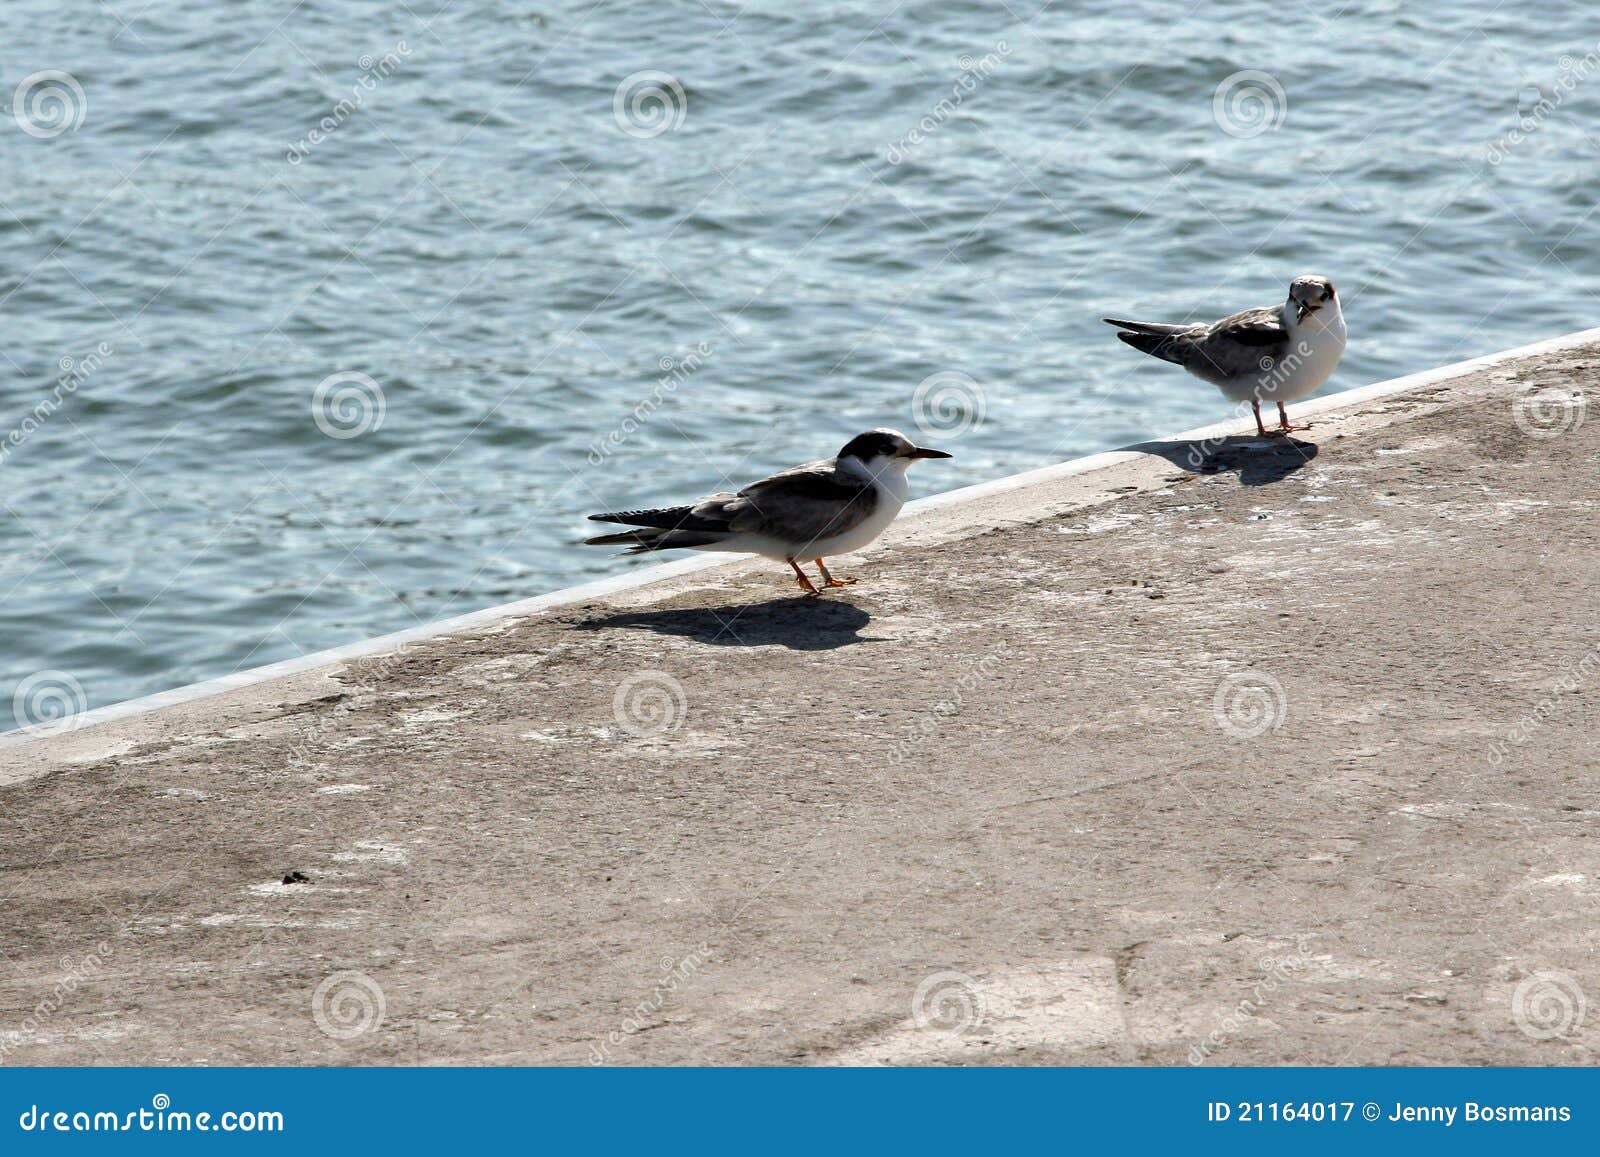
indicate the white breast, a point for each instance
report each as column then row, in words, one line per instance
column 1315, row 345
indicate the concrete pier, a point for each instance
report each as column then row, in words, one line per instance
column 1219, row 751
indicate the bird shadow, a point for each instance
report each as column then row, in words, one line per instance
column 801, row 624
column 1258, row 461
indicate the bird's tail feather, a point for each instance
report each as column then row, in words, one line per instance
column 648, row 539
column 1159, row 345
column 664, row 517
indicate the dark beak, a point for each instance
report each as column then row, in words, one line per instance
column 924, row 452
column 1302, row 310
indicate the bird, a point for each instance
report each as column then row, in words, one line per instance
column 804, row 514
column 1281, row 353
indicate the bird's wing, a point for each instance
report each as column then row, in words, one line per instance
column 1238, row 346
column 807, row 503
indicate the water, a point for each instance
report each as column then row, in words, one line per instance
column 478, row 235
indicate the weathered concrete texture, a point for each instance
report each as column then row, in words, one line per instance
column 1082, row 856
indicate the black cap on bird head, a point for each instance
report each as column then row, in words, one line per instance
column 885, row 443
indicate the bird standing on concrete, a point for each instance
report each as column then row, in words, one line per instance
column 805, row 514
column 1279, row 354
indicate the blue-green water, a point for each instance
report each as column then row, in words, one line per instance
column 563, row 299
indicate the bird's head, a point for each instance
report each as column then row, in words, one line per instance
column 877, row 450
column 1308, row 294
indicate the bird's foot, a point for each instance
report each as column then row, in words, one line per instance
column 1284, row 425
column 805, row 583
column 827, row 577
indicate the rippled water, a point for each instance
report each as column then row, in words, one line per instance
column 235, row 203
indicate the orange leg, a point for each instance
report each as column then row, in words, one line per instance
column 829, row 581
column 805, row 583
column 1260, row 429
column 1283, row 422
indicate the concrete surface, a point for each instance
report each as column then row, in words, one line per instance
column 1287, row 760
